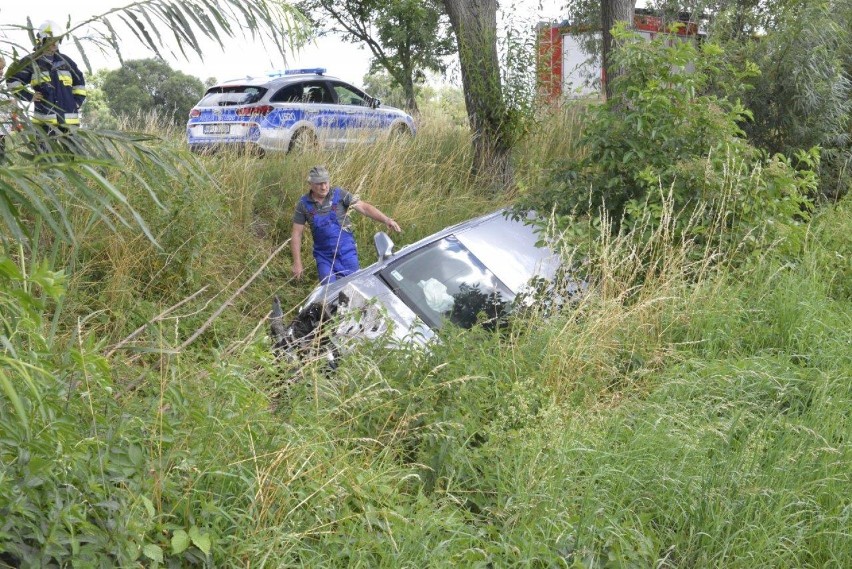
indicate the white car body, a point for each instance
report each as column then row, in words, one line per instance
column 275, row 114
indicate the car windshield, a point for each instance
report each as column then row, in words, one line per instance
column 445, row 281
column 232, row 95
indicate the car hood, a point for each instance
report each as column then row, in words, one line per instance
column 374, row 308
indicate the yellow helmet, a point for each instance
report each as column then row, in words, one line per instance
column 48, row 30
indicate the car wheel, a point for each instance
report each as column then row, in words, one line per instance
column 400, row 132
column 254, row 151
column 303, row 140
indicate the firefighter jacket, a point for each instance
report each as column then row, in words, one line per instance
column 60, row 82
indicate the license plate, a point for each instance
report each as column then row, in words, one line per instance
column 216, row 129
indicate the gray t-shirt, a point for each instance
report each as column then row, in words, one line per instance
column 345, row 201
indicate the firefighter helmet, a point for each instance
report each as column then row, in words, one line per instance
column 48, row 30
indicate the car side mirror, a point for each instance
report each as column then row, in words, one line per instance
column 384, row 245
column 375, row 103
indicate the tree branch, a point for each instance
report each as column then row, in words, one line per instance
column 228, row 302
column 157, row 318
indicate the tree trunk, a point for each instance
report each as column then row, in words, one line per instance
column 613, row 11
column 410, row 99
column 475, row 25
column 404, row 76
column 406, row 80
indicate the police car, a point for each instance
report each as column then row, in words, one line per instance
column 290, row 110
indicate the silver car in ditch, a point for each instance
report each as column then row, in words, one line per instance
column 469, row 273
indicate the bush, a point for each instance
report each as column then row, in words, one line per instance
column 664, row 136
column 801, row 98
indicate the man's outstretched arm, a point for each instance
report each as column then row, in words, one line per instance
column 375, row 214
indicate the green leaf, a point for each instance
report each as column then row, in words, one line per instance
column 149, row 506
column 135, row 455
column 200, row 540
column 9, row 269
column 15, row 400
column 180, row 541
column 153, row 552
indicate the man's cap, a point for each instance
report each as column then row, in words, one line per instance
column 318, row 175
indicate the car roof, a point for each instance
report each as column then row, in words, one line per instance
column 274, row 81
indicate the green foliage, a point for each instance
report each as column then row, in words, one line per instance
column 149, row 86
column 665, row 138
column 47, row 176
column 97, row 113
column 584, row 13
column 704, row 425
column 36, row 189
column 82, row 482
column 740, row 20
column 517, row 47
column 22, row 299
column 832, row 250
column 692, row 417
column 76, row 484
column 53, row 499
column 801, row 98
column 448, row 103
column 381, row 85
column 405, row 37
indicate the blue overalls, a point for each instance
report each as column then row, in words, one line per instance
column 334, row 247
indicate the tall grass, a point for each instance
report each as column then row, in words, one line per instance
column 676, row 426
column 685, row 413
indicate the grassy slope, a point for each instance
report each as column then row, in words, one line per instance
column 684, row 422
column 703, row 425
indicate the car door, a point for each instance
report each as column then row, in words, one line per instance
column 358, row 118
column 321, row 111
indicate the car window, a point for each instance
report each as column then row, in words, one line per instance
column 288, row 94
column 316, row 92
column 349, row 96
column 232, row 95
column 445, row 281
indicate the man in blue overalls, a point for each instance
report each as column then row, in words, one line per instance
column 326, row 210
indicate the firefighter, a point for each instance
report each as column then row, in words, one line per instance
column 51, row 81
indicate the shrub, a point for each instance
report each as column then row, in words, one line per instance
column 665, row 135
column 801, row 97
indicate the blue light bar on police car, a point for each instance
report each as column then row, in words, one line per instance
column 317, row 70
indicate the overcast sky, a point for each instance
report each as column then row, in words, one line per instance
column 241, row 56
